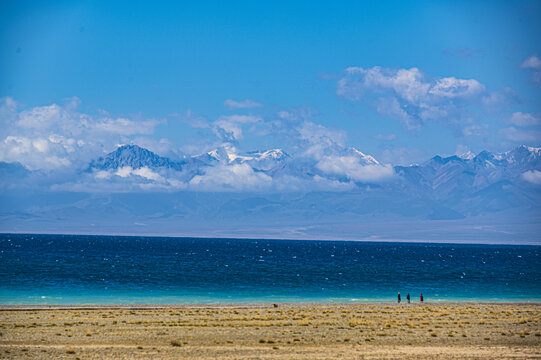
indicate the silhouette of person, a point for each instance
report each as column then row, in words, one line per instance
column 421, row 297
column 399, row 299
column 408, row 297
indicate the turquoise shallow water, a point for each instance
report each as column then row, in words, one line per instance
column 62, row 269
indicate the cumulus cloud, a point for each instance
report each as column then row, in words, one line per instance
column 533, row 63
column 452, row 87
column 526, row 128
column 235, row 177
column 126, row 178
column 521, row 135
column 525, row 119
column 321, row 136
column 243, row 104
column 532, row 176
column 126, row 127
column 500, row 99
column 409, row 95
column 229, row 128
column 143, row 172
column 314, row 147
column 352, row 168
column 53, row 136
column 58, row 137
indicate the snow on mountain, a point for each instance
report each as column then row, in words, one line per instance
column 367, row 159
column 132, row 184
column 441, row 177
column 486, row 182
column 230, row 154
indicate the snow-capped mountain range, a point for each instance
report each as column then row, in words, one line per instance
column 442, row 175
column 339, row 193
column 137, row 157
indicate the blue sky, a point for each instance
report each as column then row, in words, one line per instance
column 168, row 67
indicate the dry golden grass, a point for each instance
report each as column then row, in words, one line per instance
column 319, row 331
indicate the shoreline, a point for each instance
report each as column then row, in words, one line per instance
column 329, row 238
column 290, row 331
column 36, row 307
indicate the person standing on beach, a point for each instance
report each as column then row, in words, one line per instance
column 421, row 297
column 399, row 297
column 408, row 297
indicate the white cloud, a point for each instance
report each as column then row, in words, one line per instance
column 409, row 95
column 452, row 87
column 520, row 135
column 351, row 167
column 43, row 117
column 525, row 119
column 8, row 113
column 148, row 174
column 229, row 128
column 317, row 134
column 42, row 145
column 315, row 141
column 58, row 137
column 54, row 136
column 127, row 171
column 475, row 130
column 295, row 115
column 532, row 176
column 531, row 62
column 244, row 104
column 502, row 98
column 124, row 171
column 236, row 177
column 125, row 127
column 35, row 153
column 102, row 174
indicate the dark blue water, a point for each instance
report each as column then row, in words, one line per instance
column 62, row 269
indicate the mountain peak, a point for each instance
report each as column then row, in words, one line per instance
column 275, row 154
column 444, row 160
column 366, row 158
column 468, row 155
column 133, row 156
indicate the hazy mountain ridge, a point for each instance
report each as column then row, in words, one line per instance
column 490, row 188
column 438, row 178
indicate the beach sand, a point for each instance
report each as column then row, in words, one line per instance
column 264, row 331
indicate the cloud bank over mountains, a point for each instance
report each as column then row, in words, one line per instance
column 486, row 197
column 60, row 136
column 54, row 136
column 277, row 172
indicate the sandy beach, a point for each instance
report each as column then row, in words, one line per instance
column 268, row 331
